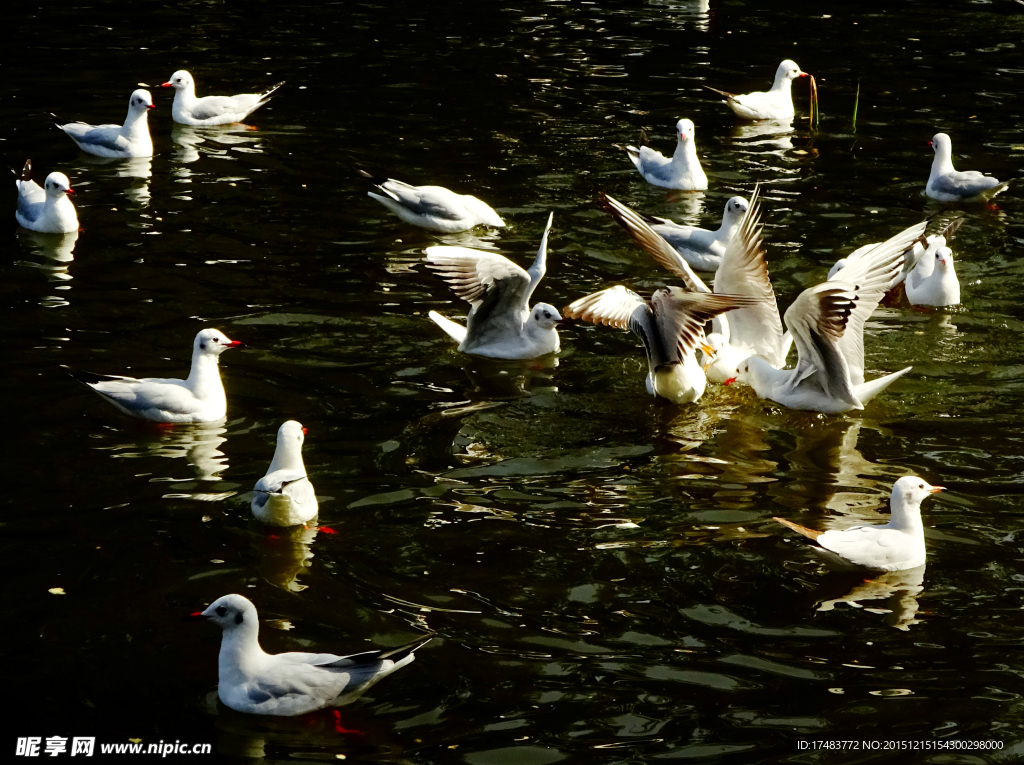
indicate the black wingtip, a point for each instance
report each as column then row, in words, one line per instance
column 57, row 120
column 89, row 378
column 26, row 171
column 376, row 180
column 266, row 93
column 399, row 653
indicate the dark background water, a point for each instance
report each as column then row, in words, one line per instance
column 482, row 500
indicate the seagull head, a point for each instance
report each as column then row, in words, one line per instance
column 57, row 184
column 684, row 130
column 789, row 70
column 735, row 209
column 944, row 258
column 545, row 316
column 213, row 342
column 230, row 612
column 941, row 144
column 911, row 490
column 179, row 80
column 141, row 101
column 291, row 434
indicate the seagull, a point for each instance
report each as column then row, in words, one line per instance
column 701, row 248
column 949, row 185
column 284, row 496
column 119, row 141
column 776, row 104
column 500, row 324
column 290, row 684
column 753, row 328
column 433, row 207
column 200, row 398
column 46, row 208
column 894, row 546
column 912, row 257
column 211, row 110
column 670, row 327
column 933, row 281
column 683, row 171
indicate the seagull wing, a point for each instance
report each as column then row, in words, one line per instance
column 680, row 317
column 817, row 319
column 744, row 271
column 623, row 309
column 653, row 243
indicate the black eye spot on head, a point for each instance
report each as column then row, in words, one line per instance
column 239, row 618
column 222, row 610
column 202, row 346
column 921, row 486
column 547, row 315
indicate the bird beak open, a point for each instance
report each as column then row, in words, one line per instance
column 936, row 489
column 166, row 85
column 730, row 381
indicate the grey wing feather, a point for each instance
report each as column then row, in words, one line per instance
column 817, row 319
column 430, row 201
column 653, row 243
column 540, row 264
column 623, row 309
column 107, row 136
column 965, row 183
column 681, row 316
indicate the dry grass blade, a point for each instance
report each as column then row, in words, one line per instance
column 815, row 114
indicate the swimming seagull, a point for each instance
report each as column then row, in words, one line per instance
column 933, row 281
column 670, row 326
column 701, row 248
column 187, row 109
column 827, row 324
column 45, row 208
column 119, row 141
column 432, row 207
column 289, row 684
column 683, row 171
column 949, row 185
column 775, row 104
column 200, row 398
column 894, row 546
column 500, row 323
column 284, row 496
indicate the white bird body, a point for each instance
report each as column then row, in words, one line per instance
column 284, row 496
column 45, row 208
column 670, row 326
column 501, row 323
column 774, row 104
column 946, row 184
column 433, row 207
column 894, row 546
column 188, row 109
column 933, row 281
column 701, row 248
column 682, row 171
column 289, row 684
column 131, row 139
column 199, row 398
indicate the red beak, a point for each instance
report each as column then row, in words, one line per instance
column 803, row 74
column 152, row 106
column 70, row 191
column 234, row 344
column 730, row 381
column 304, row 431
column 166, row 85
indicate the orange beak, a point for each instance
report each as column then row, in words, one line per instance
column 936, row 489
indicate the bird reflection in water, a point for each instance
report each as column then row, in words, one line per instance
column 51, row 255
column 897, row 589
column 220, row 139
column 198, row 444
column 513, row 378
column 764, row 134
column 138, row 169
column 285, row 554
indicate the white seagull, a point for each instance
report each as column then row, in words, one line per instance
column 187, row 109
column 894, row 546
column 500, row 322
column 200, row 398
column 949, row 185
column 289, row 684
column 119, row 141
column 433, row 207
column 45, row 208
column 670, row 326
column 775, row 104
column 701, row 248
column 284, row 496
column 933, row 281
column 683, row 171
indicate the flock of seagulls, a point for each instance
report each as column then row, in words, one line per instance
column 729, row 332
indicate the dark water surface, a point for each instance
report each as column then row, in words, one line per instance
column 489, row 501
